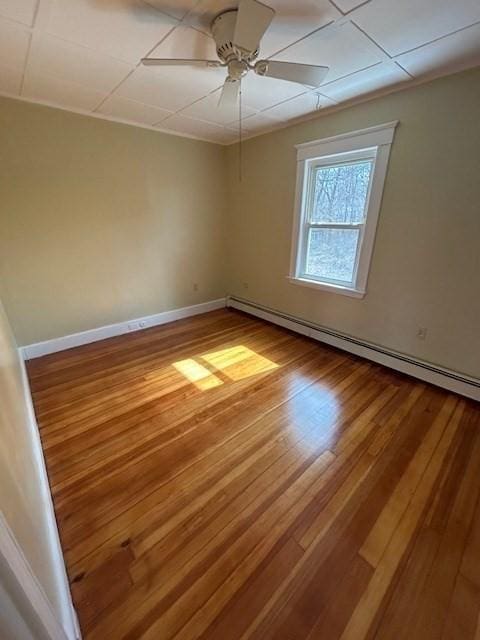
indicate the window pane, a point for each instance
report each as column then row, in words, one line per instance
column 331, row 254
column 340, row 193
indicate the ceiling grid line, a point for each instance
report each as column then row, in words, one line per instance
column 326, row 27
column 42, row 9
column 388, row 57
column 25, row 66
column 447, row 35
column 362, row 4
column 136, row 67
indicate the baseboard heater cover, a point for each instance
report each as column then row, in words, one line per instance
column 439, row 376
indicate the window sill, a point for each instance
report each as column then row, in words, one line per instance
column 323, row 286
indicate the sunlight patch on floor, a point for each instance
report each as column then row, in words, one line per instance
column 239, row 362
column 234, row 363
column 196, row 373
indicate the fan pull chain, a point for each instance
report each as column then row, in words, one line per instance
column 240, row 159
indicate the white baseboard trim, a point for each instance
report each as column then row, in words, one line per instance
column 39, row 349
column 69, row 621
column 21, row 580
column 434, row 374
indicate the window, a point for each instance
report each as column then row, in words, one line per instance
column 339, row 190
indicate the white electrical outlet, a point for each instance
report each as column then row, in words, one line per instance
column 136, row 326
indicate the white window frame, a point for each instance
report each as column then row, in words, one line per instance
column 373, row 145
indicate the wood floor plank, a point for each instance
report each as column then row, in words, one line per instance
column 423, row 594
column 334, row 548
column 463, row 610
column 384, row 528
column 162, row 379
column 434, row 603
column 253, row 595
column 144, row 515
column 141, row 428
column 477, row 633
column 86, row 379
column 176, row 605
column 222, row 440
column 359, row 624
column 221, row 478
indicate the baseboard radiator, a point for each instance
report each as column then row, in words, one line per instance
column 439, row 376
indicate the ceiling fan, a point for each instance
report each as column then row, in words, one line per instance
column 237, row 34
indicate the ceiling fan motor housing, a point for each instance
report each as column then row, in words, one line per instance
column 223, row 30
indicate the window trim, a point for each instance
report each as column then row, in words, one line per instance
column 374, row 143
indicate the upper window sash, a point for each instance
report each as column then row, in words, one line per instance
column 308, row 205
column 343, row 159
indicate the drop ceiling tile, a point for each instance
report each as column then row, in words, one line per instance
column 365, row 81
column 458, row 51
column 134, row 111
column 261, row 93
column 19, row 10
column 10, row 79
column 176, row 8
column 185, row 42
column 47, row 88
column 342, row 47
column 293, row 20
column 171, row 88
column 308, row 102
column 208, row 110
column 65, row 60
column 14, row 41
column 401, row 26
column 197, row 128
column 126, row 30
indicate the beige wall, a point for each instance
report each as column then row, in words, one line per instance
column 425, row 269
column 24, row 494
column 102, row 222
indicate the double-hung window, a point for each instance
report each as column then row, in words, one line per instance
column 339, row 190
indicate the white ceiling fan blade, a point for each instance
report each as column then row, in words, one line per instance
column 178, row 62
column 230, row 94
column 253, row 20
column 308, row 74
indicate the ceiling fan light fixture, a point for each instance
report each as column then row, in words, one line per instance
column 238, row 34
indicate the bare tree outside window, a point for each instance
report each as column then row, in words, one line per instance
column 336, row 214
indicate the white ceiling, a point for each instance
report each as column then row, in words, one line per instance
column 84, row 55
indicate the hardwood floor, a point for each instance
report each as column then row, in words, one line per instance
column 220, row 478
